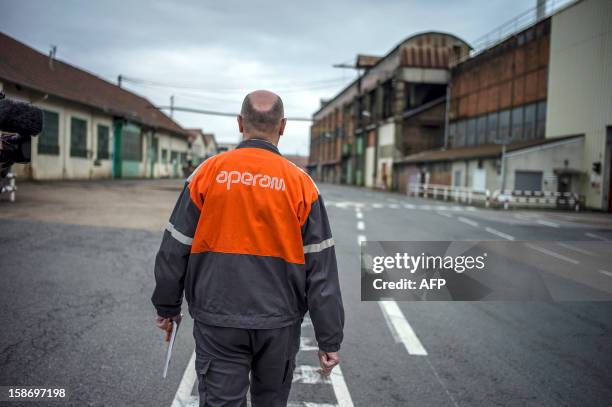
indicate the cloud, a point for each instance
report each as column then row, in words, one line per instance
column 216, row 52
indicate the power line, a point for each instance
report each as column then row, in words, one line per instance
column 299, row 86
column 217, row 113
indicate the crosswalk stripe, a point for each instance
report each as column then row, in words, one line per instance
column 307, row 374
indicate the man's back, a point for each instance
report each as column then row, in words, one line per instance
column 246, row 267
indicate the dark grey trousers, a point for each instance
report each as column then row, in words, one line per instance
column 226, row 356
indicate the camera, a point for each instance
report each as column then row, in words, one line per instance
column 19, row 121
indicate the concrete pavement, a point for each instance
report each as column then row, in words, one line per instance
column 76, row 276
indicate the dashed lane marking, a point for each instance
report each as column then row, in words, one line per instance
column 500, row 234
column 547, row 223
column 360, row 239
column 468, row 221
column 606, row 272
column 576, row 249
column 551, row 253
column 594, row 236
column 359, row 214
column 445, row 214
column 360, row 225
column 400, row 328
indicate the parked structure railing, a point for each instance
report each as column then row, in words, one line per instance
column 497, row 198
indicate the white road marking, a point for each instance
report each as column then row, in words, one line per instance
column 442, row 207
column 306, row 344
column 594, row 236
column 343, row 397
column 448, row 215
column 360, row 239
column 400, row 328
column 547, row 223
column 468, row 221
column 377, row 205
column 425, row 207
column 183, row 395
column 307, row 374
column 552, row 254
column 360, row 225
column 500, row 234
column 607, row 273
column 409, row 206
column 576, row 249
column 359, row 214
column 471, row 208
column 393, row 206
column 435, row 372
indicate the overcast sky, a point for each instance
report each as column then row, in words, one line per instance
column 210, row 54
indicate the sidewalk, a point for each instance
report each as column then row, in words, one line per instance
column 134, row 204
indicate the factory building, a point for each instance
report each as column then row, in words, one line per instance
column 529, row 110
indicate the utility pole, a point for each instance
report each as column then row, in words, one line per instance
column 119, row 80
column 172, row 106
column 359, row 118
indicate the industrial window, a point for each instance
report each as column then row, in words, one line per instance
column 504, row 126
column 517, row 124
column 492, row 127
column 78, row 138
column 154, row 149
column 481, row 130
column 359, row 145
column 528, row 180
column 48, row 142
column 131, row 145
column 183, row 158
column 452, row 133
column 164, row 156
column 173, row 157
column 541, row 120
column 387, row 99
column 530, row 122
column 372, row 105
column 471, row 132
column 103, row 152
column 461, row 128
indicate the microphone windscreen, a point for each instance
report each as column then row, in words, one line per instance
column 21, row 118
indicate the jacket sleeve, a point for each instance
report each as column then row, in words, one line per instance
column 173, row 255
column 322, row 285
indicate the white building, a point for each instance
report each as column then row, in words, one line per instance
column 92, row 128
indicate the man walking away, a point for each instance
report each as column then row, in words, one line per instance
column 250, row 244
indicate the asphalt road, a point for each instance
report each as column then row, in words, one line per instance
column 75, row 297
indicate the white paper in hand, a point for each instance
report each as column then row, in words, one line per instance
column 170, row 346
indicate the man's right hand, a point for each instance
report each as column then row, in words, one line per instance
column 328, row 361
column 165, row 324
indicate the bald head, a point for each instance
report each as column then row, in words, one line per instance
column 262, row 115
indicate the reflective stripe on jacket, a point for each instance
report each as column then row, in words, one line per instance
column 250, row 243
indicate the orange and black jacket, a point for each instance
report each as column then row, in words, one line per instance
column 250, row 244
